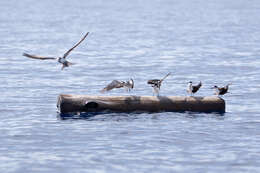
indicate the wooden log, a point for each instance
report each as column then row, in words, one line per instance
column 84, row 103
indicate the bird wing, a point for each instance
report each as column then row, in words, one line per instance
column 196, row 87
column 67, row 53
column 38, row 57
column 199, row 84
column 153, row 81
column 165, row 77
column 112, row 85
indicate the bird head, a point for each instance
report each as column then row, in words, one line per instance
column 215, row 86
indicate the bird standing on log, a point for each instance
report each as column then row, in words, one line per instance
column 221, row 90
column 62, row 59
column 156, row 84
column 192, row 89
column 128, row 85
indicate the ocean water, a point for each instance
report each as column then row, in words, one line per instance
column 216, row 42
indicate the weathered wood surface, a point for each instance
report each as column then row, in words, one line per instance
column 84, row 103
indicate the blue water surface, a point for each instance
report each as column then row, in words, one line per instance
column 214, row 41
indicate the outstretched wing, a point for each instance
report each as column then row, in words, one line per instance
column 67, row 53
column 165, row 77
column 112, row 85
column 199, row 85
column 153, row 81
column 38, row 57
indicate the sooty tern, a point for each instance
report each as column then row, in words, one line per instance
column 221, row 90
column 156, row 84
column 192, row 89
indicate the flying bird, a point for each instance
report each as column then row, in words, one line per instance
column 128, row 85
column 221, row 90
column 156, row 84
column 192, row 89
column 62, row 60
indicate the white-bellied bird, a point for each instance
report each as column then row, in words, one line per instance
column 156, row 84
column 192, row 89
column 128, row 85
column 62, row 59
column 221, row 90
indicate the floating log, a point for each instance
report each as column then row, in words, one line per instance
column 84, row 103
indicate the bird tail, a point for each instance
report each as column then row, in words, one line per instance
column 70, row 63
column 104, row 90
column 67, row 65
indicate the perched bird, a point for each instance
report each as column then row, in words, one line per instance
column 192, row 89
column 62, row 59
column 156, row 84
column 221, row 90
column 128, row 85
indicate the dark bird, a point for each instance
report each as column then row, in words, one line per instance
column 221, row 90
column 156, row 84
column 192, row 89
column 62, row 59
column 128, row 85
